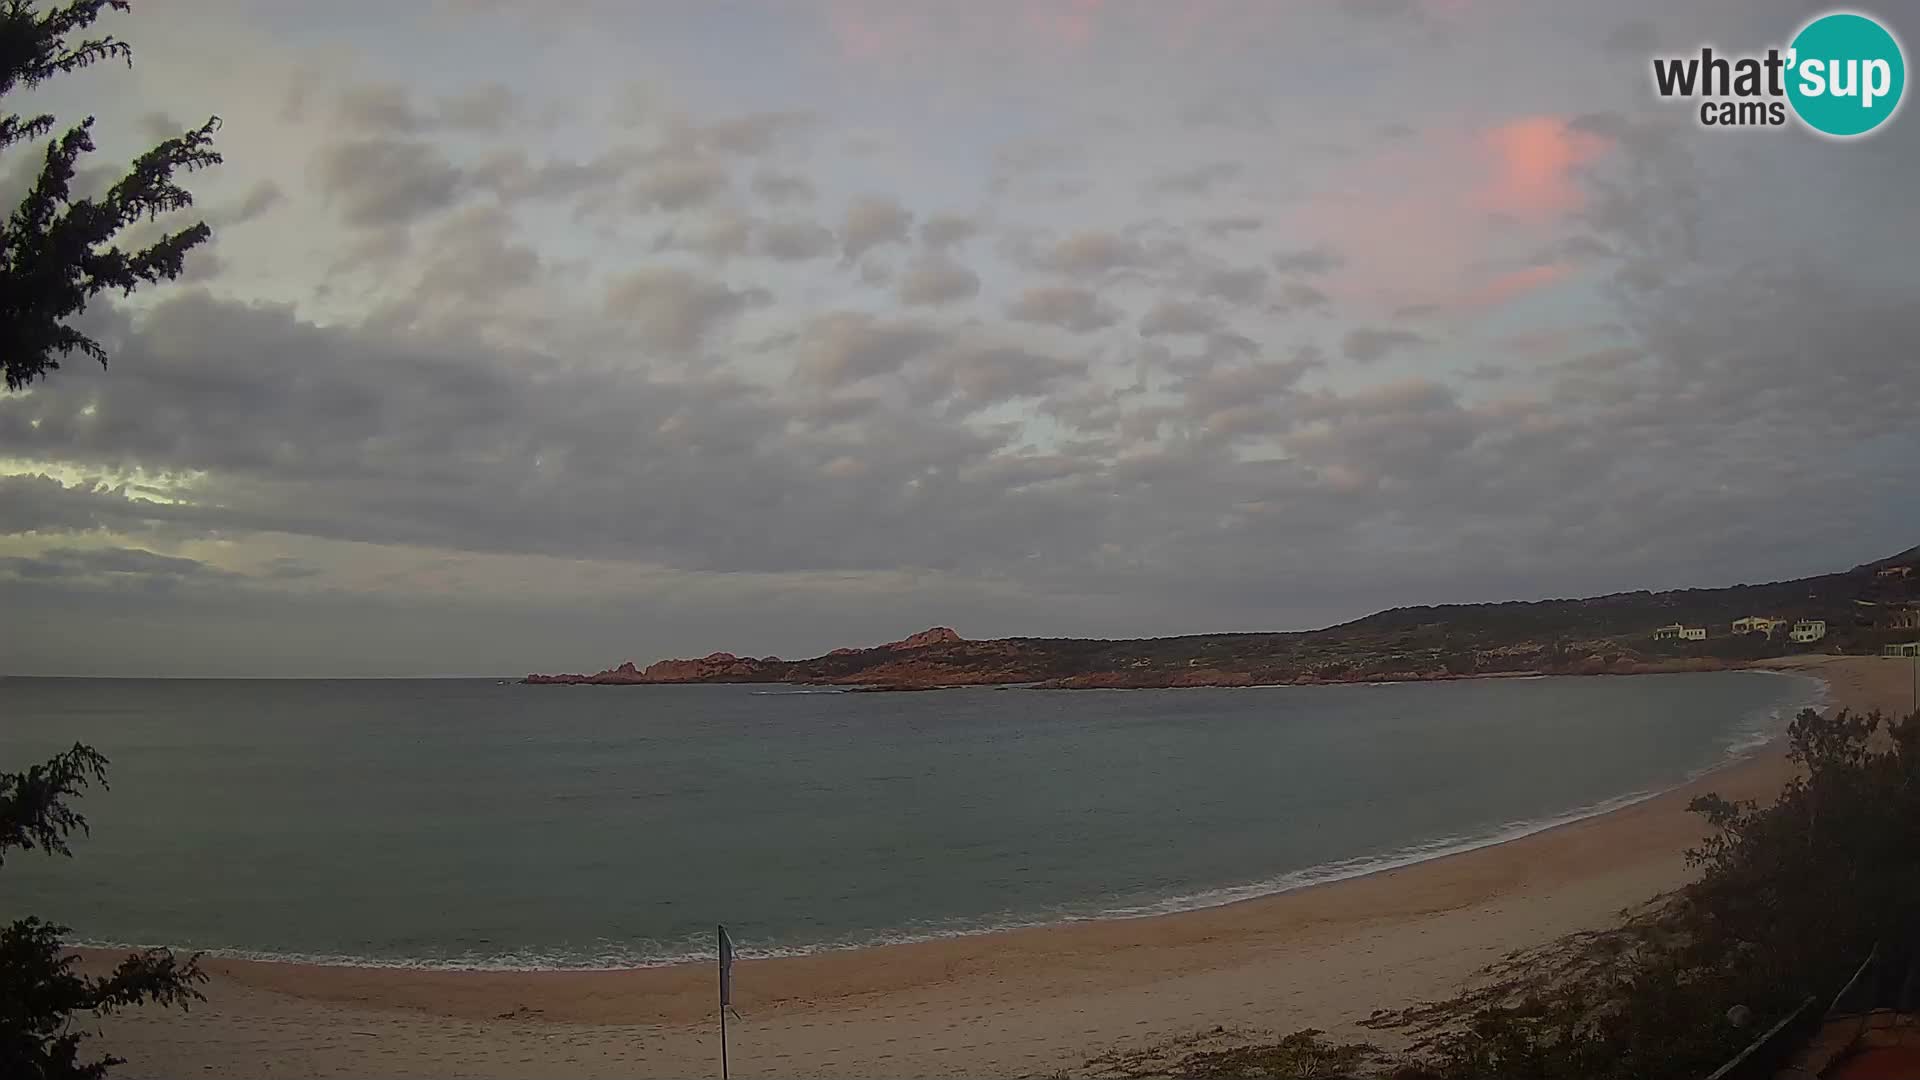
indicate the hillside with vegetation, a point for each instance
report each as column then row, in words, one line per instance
column 1863, row 609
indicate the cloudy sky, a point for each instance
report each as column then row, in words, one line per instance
column 545, row 336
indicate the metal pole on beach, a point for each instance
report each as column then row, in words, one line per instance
column 726, row 962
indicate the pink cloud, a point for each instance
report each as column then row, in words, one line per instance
column 1534, row 163
column 1415, row 216
column 1515, row 283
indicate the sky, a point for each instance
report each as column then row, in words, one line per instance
column 541, row 337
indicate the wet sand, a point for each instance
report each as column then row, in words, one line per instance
column 1021, row 1002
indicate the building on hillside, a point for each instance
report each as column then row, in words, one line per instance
column 1678, row 632
column 1807, row 630
column 1895, row 571
column 1909, row 648
column 1907, row 618
column 1757, row 624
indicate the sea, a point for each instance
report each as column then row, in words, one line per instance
column 478, row 823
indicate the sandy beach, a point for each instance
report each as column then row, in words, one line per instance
column 1017, row 1003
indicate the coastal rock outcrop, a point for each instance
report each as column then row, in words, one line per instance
column 939, row 635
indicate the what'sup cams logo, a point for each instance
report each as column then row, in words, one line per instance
column 1843, row 75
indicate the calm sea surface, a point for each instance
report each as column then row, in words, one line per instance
column 468, row 823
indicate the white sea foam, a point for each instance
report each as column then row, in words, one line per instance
column 1764, row 726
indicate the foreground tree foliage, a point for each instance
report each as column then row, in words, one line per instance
column 1791, row 898
column 40, row 992
column 57, row 252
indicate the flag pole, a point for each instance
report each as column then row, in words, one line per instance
column 723, row 950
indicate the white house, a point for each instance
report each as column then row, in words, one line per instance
column 1910, row 648
column 1808, row 630
column 1757, row 624
column 1678, row 632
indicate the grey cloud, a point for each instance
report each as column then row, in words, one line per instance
column 1178, row 317
column 1235, row 114
column 1037, row 155
column 942, row 231
column 1235, row 285
column 936, row 279
column 675, row 309
column 1063, row 306
column 470, row 267
column 1298, row 296
column 1092, row 253
column 1229, row 224
column 1368, row 344
column 490, row 107
column 636, row 104
column 749, row 135
column 1313, row 260
column 719, row 237
column 118, row 566
column 511, row 175
column 876, row 273
column 1198, row 180
column 682, row 183
column 1636, row 37
column 388, row 181
column 1040, row 169
column 260, row 198
column 289, row 568
column 1380, row 9
column 159, row 126
column 873, row 220
column 795, row 241
column 979, row 376
column 846, row 347
column 1241, row 400
column 389, row 109
column 384, row 108
column 781, row 188
column 37, row 503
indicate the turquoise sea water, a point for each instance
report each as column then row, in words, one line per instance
column 470, row 823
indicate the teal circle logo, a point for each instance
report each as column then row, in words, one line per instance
column 1846, row 74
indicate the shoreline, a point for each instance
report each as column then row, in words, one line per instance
column 1321, row 954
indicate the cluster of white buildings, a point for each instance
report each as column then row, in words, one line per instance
column 1802, row 632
